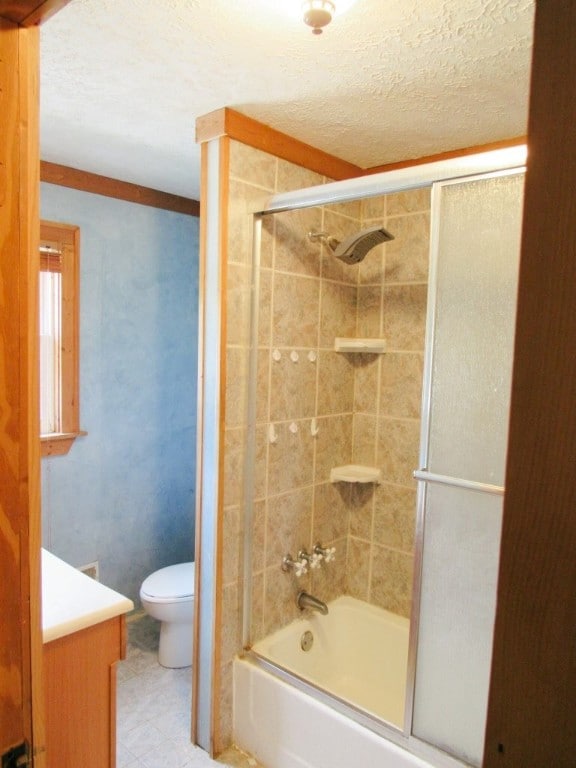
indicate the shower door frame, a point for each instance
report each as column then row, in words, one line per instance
column 482, row 165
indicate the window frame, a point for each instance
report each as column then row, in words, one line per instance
column 66, row 239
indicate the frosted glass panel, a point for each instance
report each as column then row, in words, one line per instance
column 458, row 600
column 477, row 251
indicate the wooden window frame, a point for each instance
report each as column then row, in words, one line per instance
column 66, row 239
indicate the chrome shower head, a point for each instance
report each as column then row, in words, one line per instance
column 354, row 248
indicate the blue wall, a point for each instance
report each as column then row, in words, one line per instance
column 124, row 495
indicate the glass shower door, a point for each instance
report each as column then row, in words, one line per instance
column 472, row 307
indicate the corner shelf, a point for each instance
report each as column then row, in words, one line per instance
column 372, row 346
column 355, row 473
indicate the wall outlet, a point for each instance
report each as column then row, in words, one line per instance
column 92, row 570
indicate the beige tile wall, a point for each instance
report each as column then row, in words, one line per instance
column 367, row 408
column 387, row 394
column 254, row 177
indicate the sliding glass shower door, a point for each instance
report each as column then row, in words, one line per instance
column 472, row 304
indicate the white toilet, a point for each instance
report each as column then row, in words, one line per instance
column 168, row 595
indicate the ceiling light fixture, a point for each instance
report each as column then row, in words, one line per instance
column 318, row 13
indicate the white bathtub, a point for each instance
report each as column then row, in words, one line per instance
column 359, row 654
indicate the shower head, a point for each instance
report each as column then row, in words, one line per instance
column 354, row 248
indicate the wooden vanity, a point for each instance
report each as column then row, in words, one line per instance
column 84, row 632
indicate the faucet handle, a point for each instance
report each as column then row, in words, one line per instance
column 299, row 566
column 328, row 553
column 314, row 559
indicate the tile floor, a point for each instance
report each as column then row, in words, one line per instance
column 153, row 710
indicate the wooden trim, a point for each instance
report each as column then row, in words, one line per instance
column 454, row 153
column 28, row 203
column 67, row 238
column 59, row 444
column 228, row 122
column 28, row 13
column 223, row 205
column 63, row 176
column 532, row 704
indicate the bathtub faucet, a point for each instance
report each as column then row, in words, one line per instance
column 304, row 600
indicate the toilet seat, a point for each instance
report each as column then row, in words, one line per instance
column 170, row 584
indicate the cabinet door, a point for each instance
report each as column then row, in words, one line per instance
column 80, row 687
column 475, row 257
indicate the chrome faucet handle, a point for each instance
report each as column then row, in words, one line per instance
column 299, row 566
column 314, row 560
column 328, row 553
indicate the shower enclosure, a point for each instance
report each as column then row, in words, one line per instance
column 378, row 400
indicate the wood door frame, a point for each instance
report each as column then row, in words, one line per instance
column 20, row 519
column 532, row 705
column 19, row 443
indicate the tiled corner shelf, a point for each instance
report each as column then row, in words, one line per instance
column 355, row 473
column 371, row 346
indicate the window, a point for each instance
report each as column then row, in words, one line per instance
column 59, row 333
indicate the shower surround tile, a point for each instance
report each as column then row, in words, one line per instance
column 293, row 386
column 331, row 512
column 290, row 459
column 237, row 304
column 369, row 311
column 307, row 298
column 332, row 444
column 244, row 199
column 335, row 383
column 391, row 583
column 407, row 254
column 361, row 510
column 338, row 312
column 358, row 568
column 253, row 166
column 290, row 177
column 288, row 526
column 397, row 450
column 366, row 378
column 400, row 203
column 404, row 317
column 294, row 251
column 394, row 522
column 280, row 593
column 374, row 208
column 401, row 385
column 295, row 311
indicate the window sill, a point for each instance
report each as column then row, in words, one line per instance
column 58, row 443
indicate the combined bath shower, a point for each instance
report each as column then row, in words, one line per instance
column 354, row 248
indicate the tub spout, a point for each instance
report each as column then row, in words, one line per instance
column 304, row 600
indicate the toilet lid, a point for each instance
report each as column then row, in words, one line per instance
column 174, row 581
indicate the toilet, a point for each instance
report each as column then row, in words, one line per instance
column 168, row 595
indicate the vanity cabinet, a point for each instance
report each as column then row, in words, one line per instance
column 84, row 632
column 80, row 689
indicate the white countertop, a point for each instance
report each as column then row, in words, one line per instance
column 72, row 601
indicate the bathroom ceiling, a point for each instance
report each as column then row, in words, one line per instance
column 123, row 81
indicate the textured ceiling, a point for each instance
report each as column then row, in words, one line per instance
column 123, row 81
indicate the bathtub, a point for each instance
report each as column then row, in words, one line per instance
column 359, row 654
